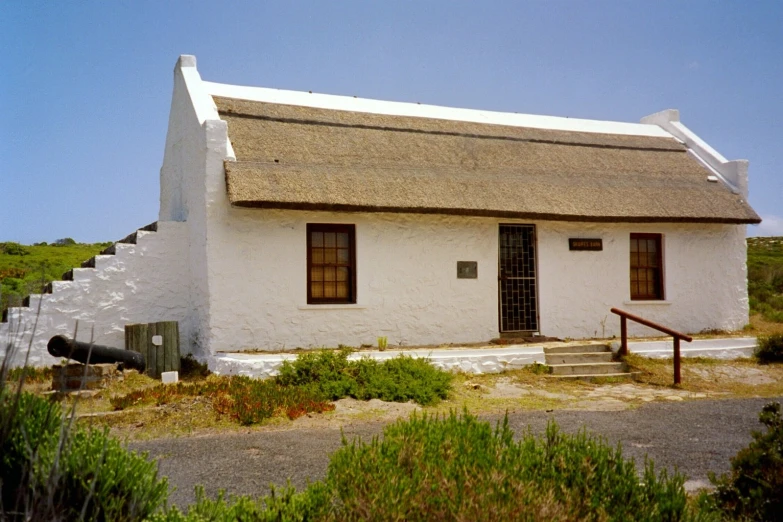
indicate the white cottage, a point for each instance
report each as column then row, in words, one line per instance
column 292, row 219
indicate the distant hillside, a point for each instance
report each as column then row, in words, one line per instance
column 25, row 270
column 765, row 277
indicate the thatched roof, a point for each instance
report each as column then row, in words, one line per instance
column 308, row 158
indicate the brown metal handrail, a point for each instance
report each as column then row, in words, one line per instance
column 624, row 316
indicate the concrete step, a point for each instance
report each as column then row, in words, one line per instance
column 580, row 348
column 587, row 368
column 578, row 358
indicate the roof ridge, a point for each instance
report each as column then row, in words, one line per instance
column 428, row 111
column 302, row 121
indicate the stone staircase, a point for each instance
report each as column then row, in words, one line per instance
column 90, row 263
column 584, row 362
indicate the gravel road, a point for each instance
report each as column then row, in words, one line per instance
column 695, row 436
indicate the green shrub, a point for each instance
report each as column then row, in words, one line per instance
column 753, row 490
column 459, row 468
column 30, row 426
column 281, row 505
column 328, row 369
column 14, row 249
column 769, row 349
column 400, row 379
column 49, row 471
column 305, row 385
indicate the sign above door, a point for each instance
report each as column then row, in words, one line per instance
column 579, row 243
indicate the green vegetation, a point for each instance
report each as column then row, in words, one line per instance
column 51, row 471
column 26, row 270
column 459, row 468
column 303, row 386
column 283, row 504
column 769, row 349
column 765, row 277
column 246, row 400
column 428, row 467
column 31, row 374
column 400, row 379
column 753, row 490
column 190, row 369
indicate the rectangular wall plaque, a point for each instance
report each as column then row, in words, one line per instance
column 467, row 269
column 579, row 243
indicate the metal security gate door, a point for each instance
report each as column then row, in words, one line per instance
column 517, row 279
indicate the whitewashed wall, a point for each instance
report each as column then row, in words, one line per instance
column 141, row 283
column 407, row 287
column 704, row 276
column 408, row 290
column 191, row 178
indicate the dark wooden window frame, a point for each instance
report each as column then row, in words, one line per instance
column 658, row 294
column 351, row 265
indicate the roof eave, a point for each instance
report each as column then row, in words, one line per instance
column 326, row 207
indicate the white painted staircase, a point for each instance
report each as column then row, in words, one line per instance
column 69, row 275
column 584, row 361
column 142, row 278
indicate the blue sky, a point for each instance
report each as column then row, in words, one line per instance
column 85, row 87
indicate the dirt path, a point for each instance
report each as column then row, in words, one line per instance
column 696, row 436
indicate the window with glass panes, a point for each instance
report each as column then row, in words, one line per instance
column 331, row 263
column 646, row 267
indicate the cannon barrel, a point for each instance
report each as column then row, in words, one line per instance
column 87, row 353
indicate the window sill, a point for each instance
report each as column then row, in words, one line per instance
column 332, row 306
column 666, row 303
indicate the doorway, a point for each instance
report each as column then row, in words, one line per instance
column 517, row 274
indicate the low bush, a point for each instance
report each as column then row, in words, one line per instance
column 191, row 369
column 14, row 249
column 400, row 379
column 753, row 490
column 281, row 505
column 769, row 349
column 304, row 385
column 49, row 471
column 460, row 468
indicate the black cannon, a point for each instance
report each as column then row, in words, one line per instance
column 61, row 346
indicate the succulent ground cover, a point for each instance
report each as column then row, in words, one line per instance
column 306, row 385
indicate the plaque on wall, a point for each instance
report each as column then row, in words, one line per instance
column 467, row 269
column 579, row 243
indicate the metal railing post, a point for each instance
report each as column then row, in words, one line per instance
column 623, row 335
column 677, row 377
